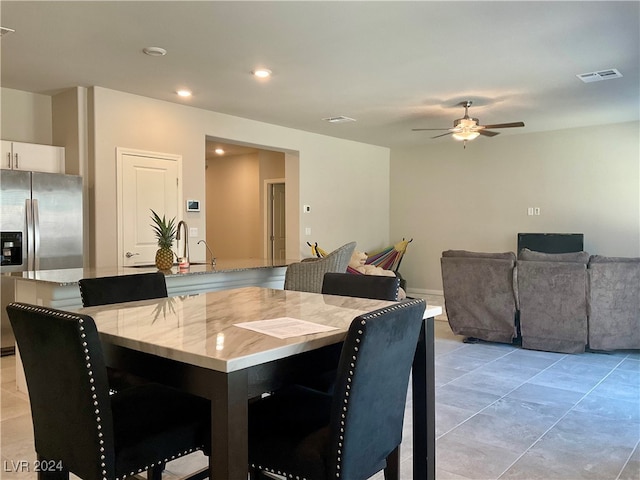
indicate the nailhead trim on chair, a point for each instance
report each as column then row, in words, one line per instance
column 345, row 400
column 80, row 322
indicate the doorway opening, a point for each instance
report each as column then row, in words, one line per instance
column 241, row 221
column 275, row 216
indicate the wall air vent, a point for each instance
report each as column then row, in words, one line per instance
column 339, row 119
column 600, row 75
column 5, row 31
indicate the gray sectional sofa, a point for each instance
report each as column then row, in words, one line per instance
column 552, row 291
column 555, row 302
column 479, row 294
column 614, row 303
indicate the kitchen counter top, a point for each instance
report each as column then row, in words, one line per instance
column 59, row 288
column 70, row 276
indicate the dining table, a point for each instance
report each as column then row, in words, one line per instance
column 231, row 346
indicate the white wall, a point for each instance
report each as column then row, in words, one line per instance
column 585, row 180
column 346, row 183
column 26, row 117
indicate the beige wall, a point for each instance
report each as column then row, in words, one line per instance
column 585, row 180
column 235, row 202
column 26, row 117
column 345, row 182
column 234, row 222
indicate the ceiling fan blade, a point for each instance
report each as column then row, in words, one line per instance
column 444, row 134
column 505, row 125
column 423, row 129
column 488, row 133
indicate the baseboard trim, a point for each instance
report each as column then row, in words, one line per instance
column 418, row 292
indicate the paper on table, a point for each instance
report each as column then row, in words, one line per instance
column 285, row 327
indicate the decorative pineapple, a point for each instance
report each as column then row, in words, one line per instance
column 165, row 233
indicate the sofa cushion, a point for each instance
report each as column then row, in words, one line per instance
column 603, row 259
column 574, row 257
column 466, row 253
column 614, row 303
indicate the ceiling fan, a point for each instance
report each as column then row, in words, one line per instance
column 467, row 128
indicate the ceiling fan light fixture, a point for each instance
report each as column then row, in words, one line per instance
column 262, row 72
column 465, row 135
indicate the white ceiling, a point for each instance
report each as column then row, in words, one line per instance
column 392, row 66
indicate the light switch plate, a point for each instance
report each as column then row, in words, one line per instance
column 193, row 231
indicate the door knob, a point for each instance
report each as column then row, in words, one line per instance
column 129, row 254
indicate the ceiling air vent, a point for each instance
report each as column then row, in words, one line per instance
column 600, row 75
column 339, row 119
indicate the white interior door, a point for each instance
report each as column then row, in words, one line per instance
column 147, row 181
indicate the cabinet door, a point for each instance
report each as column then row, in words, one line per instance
column 5, row 158
column 38, row 158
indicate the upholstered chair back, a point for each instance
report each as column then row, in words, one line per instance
column 122, row 288
column 363, row 286
column 66, row 374
column 307, row 275
column 371, row 389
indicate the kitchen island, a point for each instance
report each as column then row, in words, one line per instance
column 59, row 288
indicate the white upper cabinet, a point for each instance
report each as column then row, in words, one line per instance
column 32, row 157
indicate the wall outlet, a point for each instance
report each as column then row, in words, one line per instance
column 307, row 231
column 193, row 231
column 536, row 210
column 306, row 208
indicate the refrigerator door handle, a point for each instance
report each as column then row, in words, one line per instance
column 8, row 159
column 36, row 235
column 29, row 234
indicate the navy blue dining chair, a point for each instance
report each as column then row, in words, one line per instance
column 364, row 286
column 79, row 427
column 356, row 431
column 122, row 288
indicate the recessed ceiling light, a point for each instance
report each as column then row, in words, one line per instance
column 219, row 151
column 155, row 51
column 262, row 72
column 184, row 93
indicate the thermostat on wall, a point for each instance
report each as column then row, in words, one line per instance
column 193, row 205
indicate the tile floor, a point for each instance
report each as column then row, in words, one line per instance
column 501, row 413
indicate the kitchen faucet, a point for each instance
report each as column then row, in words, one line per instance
column 185, row 251
column 213, row 259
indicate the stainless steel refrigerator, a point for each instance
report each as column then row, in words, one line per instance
column 40, row 228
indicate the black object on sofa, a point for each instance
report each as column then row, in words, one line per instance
column 479, row 295
column 552, row 294
column 551, row 242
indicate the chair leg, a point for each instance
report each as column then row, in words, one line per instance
column 155, row 473
column 392, row 470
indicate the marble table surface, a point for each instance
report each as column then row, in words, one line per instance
column 200, row 329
